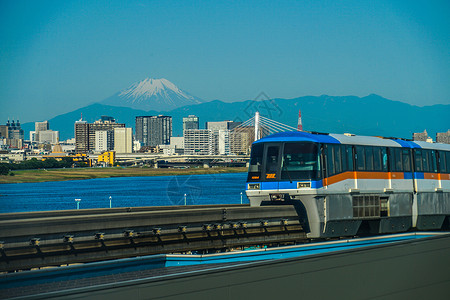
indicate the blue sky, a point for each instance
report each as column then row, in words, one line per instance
column 57, row 56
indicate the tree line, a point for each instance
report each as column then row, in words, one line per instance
column 33, row 163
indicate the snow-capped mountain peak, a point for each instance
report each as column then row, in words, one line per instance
column 152, row 94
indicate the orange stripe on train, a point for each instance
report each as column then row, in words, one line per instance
column 378, row 175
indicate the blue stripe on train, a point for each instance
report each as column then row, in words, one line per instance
column 408, row 175
column 419, row 175
column 286, row 185
column 269, row 185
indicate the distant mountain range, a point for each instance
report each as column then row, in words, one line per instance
column 371, row 115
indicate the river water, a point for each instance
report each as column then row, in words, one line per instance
column 124, row 192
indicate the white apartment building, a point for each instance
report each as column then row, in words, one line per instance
column 123, row 140
column 48, row 136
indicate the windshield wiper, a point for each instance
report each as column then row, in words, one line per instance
column 287, row 171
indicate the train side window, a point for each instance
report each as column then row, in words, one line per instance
column 329, row 160
column 406, row 160
column 425, row 161
column 440, row 162
column 396, row 160
column 337, row 159
column 443, row 162
column 349, row 153
column 344, row 158
column 384, row 159
column 377, row 159
column 369, row 158
column 418, row 160
column 433, row 163
column 360, row 158
column 447, row 159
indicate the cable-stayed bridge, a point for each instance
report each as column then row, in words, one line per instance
column 262, row 126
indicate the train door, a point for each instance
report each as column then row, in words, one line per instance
column 272, row 161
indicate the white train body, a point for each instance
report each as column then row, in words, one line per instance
column 343, row 185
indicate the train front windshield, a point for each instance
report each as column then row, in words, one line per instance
column 284, row 161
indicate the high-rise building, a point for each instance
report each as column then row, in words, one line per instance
column 222, row 125
column 190, row 122
column 3, row 131
column 420, row 136
column 81, row 136
column 48, row 137
column 198, row 142
column 443, row 137
column 40, row 126
column 123, row 140
column 85, row 133
column 153, row 130
column 13, row 134
column 224, row 142
column 104, row 140
column 241, row 138
column 217, row 141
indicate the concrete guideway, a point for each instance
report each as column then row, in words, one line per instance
column 58, row 238
column 402, row 266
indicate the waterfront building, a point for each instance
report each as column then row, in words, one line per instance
column 190, row 122
column 123, row 140
column 107, row 158
column 153, row 130
column 443, row 137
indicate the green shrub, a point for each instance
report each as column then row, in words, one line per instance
column 4, row 169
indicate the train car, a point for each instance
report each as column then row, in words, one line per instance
column 343, row 184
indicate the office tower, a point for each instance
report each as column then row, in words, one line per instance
column 190, row 122
column 48, row 137
column 153, row 130
column 40, row 126
column 198, row 142
column 222, row 141
column 81, row 136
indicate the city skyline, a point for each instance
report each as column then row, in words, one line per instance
column 58, row 56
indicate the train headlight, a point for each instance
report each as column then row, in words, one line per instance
column 254, row 186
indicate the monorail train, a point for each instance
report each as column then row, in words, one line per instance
column 343, row 185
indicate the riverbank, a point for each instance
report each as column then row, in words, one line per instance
column 23, row 176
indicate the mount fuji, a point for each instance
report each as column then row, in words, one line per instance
column 152, row 94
